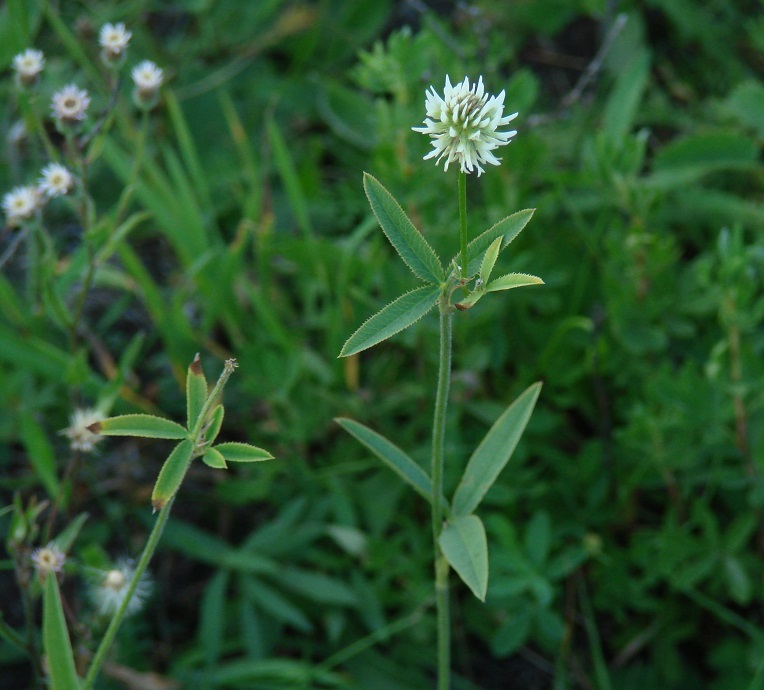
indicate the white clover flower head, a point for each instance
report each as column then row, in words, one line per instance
column 79, row 435
column 70, row 104
column 48, row 559
column 110, row 589
column 113, row 38
column 463, row 125
column 147, row 77
column 28, row 66
column 56, row 180
column 20, row 204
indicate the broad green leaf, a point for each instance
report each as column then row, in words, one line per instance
column 242, row 452
column 395, row 317
column 391, row 455
column 214, row 458
column 196, row 391
column 494, row 452
column 465, row 547
column 55, row 636
column 413, row 248
column 489, row 259
column 507, row 229
column 171, row 474
column 143, row 425
column 512, row 280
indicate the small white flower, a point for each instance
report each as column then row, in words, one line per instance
column 28, row 66
column 48, row 559
column 56, row 180
column 110, row 589
column 147, row 78
column 70, row 103
column 20, row 204
column 463, row 125
column 80, row 437
column 114, row 38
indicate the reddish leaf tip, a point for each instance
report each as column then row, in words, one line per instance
column 196, row 365
column 94, row 428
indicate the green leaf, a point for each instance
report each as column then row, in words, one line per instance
column 215, row 421
column 489, row 259
column 621, row 107
column 507, row 229
column 58, row 647
column 395, row 317
column 242, row 452
column 391, row 455
column 196, row 391
column 512, row 280
column 171, row 474
column 40, row 452
column 66, row 538
column 465, row 547
column 143, row 425
column 494, row 452
column 214, row 458
column 413, row 248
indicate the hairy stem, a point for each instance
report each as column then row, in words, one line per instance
column 463, row 222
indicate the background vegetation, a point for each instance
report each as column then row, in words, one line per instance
column 626, row 535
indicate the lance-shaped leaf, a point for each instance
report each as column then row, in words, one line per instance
column 213, row 425
column 507, row 229
column 172, row 473
column 512, row 280
column 214, row 458
column 144, row 425
column 196, row 391
column 242, row 452
column 413, row 248
column 395, row 317
column 391, row 455
column 494, row 452
column 56, row 642
column 489, row 259
column 464, row 545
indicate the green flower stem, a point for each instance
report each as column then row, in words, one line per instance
column 463, row 221
column 116, row 621
column 438, row 435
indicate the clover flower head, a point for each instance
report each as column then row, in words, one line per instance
column 79, row 435
column 69, row 104
column 464, row 123
column 20, row 204
column 56, row 180
column 147, row 77
column 48, row 559
column 113, row 38
column 110, row 589
column 28, row 66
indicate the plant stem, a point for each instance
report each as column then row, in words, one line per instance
column 111, row 631
column 438, row 434
column 463, row 221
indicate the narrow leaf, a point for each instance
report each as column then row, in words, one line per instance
column 58, row 647
column 464, row 545
column 144, row 425
column 242, row 452
column 413, row 248
column 494, row 452
column 512, row 280
column 489, row 259
column 395, row 317
column 507, row 229
column 391, row 455
column 214, row 458
column 171, row 474
column 196, row 391
column 66, row 538
column 215, row 421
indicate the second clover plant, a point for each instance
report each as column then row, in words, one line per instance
column 464, row 127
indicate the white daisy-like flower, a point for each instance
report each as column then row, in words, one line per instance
column 20, row 204
column 110, row 589
column 48, row 559
column 70, row 104
column 56, row 180
column 463, row 125
column 28, row 66
column 114, row 38
column 148, row 77
column 79, row 435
